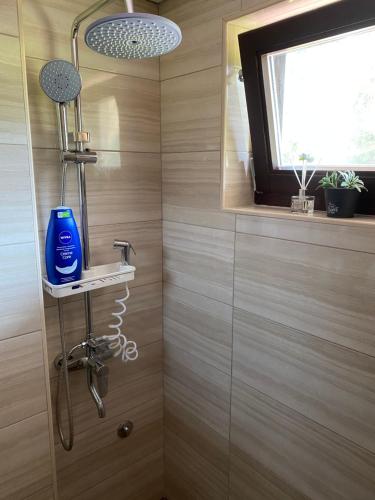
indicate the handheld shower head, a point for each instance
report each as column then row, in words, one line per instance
column 132, row 35
column 60, row 80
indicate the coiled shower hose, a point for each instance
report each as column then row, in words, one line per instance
column 119, row 343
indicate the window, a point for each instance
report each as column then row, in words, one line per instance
column 310, row 88
column 314, row 88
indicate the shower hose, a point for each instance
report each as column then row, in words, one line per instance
column 64, row 375
column 119, row 343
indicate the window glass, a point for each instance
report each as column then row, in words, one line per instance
column 320, row 101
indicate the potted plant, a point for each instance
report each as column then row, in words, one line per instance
column 341, row 190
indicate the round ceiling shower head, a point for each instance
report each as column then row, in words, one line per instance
column 60, row 80
column 133, row 36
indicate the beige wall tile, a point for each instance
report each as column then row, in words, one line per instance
column 216, row 219
column 199, row 326
column 188, row 472
column 95, row 460
column 177, row 468
column 47, row 25
column 132, row 483
column 200, row 49
column 22, row 381
column 8, row 17
column 121, row 187
column 191, row 112
column 249, row 480
column 128, row 186
column 254, row 5
column 143, row 321
column 44, row 494
column 16, row 211
column 319, row 290
column 293, row 453
column 196, row 424
column 19, row 290
column 191, row 189
column 146, row 237
column 201, row 25
column 327, row 383
column 196, row 388
column 25, row 466
column 355, row 237
column 237, row 183
column 199, row 437
column 198, row 11
column 122, row 113
column 199, row 259
column 192, row 179
column 12, row 110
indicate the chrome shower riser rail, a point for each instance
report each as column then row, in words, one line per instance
column 81, row 175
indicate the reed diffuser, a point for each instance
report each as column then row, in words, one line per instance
column 303, row 204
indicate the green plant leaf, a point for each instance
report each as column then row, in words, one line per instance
column 350, row 180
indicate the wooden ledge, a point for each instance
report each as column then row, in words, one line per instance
column 285, row 213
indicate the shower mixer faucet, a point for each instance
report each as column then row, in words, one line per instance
column 100, row 351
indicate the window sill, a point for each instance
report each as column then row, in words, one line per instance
column 284, row 213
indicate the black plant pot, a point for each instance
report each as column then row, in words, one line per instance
column 341, row 202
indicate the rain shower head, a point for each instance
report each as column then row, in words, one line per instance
column 60, row 80
column 133, row 35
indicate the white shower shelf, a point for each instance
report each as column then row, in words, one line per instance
column 95, row 277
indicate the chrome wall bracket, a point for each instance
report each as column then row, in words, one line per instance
column 79, row 157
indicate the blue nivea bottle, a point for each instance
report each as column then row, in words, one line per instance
column 63, row 247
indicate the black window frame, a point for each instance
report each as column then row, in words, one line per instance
column 275, row 187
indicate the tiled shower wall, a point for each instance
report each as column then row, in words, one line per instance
column 269, row 366
column 25, row 457
column 268, row 323
column 121, row 110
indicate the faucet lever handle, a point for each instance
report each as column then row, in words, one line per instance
column 126, row 247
